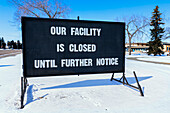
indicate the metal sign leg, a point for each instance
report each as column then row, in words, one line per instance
column 23, row 90
column 140, row 89
column 124, row 81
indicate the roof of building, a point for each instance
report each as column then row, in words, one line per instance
column 140, row 47
column 166, row 43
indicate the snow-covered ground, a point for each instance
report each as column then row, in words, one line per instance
column 87, row 93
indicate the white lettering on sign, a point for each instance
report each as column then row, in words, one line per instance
column 85, row 31
column 82, row 47
column 106, row 61
column 44, row 64
column 58, row 30
column 76, row 31
column 76, row 62
column 60, row 47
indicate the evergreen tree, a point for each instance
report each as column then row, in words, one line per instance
column 8, row 44
column 3, row 44
column 2, row 40
column 12, row 44
column 155, row 45
column 18, row 44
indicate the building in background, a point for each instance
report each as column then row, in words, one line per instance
column 166, row 47
column 137, row 47
column 142, row 47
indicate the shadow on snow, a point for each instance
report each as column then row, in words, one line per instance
column 85, row 83
column 6, row 65
column 30, row 98
column 97, row 82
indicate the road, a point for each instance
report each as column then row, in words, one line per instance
column 6, row 53
column 136, row 59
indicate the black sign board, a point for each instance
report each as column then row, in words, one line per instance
column 66, row 47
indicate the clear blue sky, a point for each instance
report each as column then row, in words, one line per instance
column 103, row 10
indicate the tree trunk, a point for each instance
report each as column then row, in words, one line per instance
column 129, row 46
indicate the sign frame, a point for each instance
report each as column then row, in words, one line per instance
column 24, row 82
column 24, row 19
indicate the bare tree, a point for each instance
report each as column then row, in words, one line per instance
column 166, row 33
column 135, row 27
column 39, row 8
